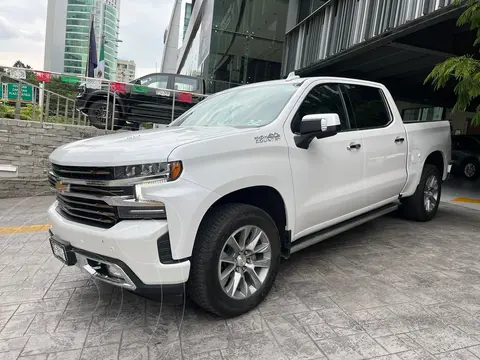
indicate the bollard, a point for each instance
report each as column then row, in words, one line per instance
column 47, row 107
column 66, row 111
column 108, row 104
column 173, row 106
column 73, row 113
column 34, row 103
column 18, row 105
column 113, row 109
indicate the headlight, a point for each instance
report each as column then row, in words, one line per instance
column 162, row 171
column 81, row 89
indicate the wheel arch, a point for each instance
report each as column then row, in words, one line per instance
column 266, row 198
column 437, row 159
column 102, row 97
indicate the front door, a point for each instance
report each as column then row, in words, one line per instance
column 143, row 97
column 328, row 176
column 384, row 141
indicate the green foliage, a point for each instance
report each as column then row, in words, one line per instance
column 26, row 112
column 464, row 70
column 7, row 112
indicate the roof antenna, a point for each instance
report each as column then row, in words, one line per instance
column 292, row 76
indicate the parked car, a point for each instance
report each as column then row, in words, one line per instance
column 249, row 175
column 144, row 100
column 466, row 156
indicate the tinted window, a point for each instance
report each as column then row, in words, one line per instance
column 154, row 81
column 322, row 99
column 186, row 84
column 368, row 106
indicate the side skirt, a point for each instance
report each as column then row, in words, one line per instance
column 331, row 231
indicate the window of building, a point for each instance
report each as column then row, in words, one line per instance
column 306, row 7
column 322, row 99
column 188, row 14
column 368, row 106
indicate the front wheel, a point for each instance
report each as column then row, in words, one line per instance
column 471, row 169
column 423, row 204
column 97, row 114
column 235, row 259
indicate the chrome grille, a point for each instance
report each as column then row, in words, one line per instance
column 82, row 202
column 84, row 172
column 93, row 212
column 95, row 190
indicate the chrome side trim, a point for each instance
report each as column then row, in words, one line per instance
column 119, row 182
column 83, row 264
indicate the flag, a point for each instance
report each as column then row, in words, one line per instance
column 44, row 76
column 92, row 52
column 101, row 62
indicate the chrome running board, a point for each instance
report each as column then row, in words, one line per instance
column 329, row 232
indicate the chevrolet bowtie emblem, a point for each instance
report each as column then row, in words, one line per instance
column 61, row 187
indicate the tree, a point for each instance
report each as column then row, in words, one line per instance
column 464, row 70
column 20, row 64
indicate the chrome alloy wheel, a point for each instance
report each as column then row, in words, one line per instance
column 244, row 262
column 430, row 194
column 469, row 170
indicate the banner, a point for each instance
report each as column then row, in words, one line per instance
column 118, row 87
column 69, row 79
column 93, row 84
column 43, row 76
column 140, row 89
column 185, row 97
column 17, row 73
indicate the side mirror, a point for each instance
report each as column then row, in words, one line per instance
column 317, row 126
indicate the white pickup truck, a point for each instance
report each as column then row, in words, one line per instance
column 210, row 204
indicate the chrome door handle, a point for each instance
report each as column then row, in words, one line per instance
column 399, row 139
column 353, row 145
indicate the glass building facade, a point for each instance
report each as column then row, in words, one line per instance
column 234, row 42
column 106, row 17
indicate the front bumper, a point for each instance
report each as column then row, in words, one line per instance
column 81, row 104
column 130, row 244
column 99, row 268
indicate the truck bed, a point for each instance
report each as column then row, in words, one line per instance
column 422, row 139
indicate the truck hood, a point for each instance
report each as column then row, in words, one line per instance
column 140, row 147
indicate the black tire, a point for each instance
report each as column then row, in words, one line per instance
column 98, row 121
column 413, row 207
column 204, row 286
column 467, row 166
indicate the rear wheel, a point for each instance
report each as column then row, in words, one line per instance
column 471, row 169
column 423, row 204
column 235, row 259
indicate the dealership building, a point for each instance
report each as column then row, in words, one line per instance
column 397, row 43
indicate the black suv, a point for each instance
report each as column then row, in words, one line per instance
column 144, row 100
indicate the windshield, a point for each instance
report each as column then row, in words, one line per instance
column 243, row 107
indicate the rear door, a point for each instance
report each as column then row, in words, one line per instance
column 187, row 96
column 143, row 97
column 384, row 142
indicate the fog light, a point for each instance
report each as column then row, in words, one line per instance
column 115, row 271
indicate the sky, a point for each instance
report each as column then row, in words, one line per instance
column 142, row 24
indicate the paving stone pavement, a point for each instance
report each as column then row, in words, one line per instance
column 388, row 290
